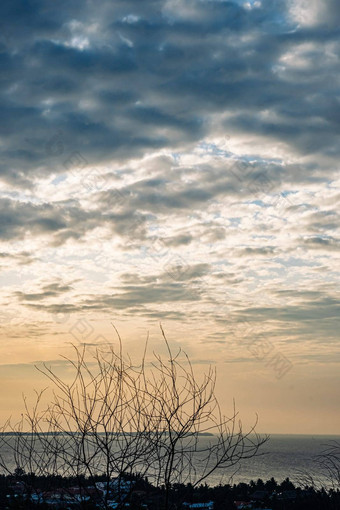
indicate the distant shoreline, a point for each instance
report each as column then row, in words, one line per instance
column 89, row 433
column 202, row 434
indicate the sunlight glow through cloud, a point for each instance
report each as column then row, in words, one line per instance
column 175, row 162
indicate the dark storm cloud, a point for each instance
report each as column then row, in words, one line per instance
column 21, row 258
column 320, row 243
column 118, row 79
column 138, row 291
column 331, row 14
column 180, row 240
column 323, row 221
column 48, row 291
column 57, row 309
column 263, row 251
column 136, row 295
column 61, row 221
column 173, row 193
column 192, row 271
column 314, row 317
column 323, row 308
column 134, row 298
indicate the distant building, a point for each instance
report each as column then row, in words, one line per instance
column 243, row 505
column 259, row 495
column 199, row 506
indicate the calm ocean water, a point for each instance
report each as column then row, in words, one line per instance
column 283, row 456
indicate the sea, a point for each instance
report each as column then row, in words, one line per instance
column 292, row 456
column 282, row 456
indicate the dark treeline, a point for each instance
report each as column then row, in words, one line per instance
column 19, row 491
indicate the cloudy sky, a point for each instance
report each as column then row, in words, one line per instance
column 175, row 161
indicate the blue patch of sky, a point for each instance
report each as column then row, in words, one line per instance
column 235, row 222
column 259, row 203
column 176, row 156
column 293, row 261
column 212, row 148
column 59, row 179
column 286, row 193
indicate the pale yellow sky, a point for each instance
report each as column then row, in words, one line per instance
column 299, row 398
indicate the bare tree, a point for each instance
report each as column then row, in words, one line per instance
column 185, row 413
column 325, row 469
column 329, row 460
column 120, row 418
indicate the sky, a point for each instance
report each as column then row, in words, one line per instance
column 175, row 162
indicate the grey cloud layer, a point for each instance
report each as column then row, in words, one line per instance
column 117, row 79
column 145, row 89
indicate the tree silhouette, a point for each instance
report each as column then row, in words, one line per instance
column 119, row 418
